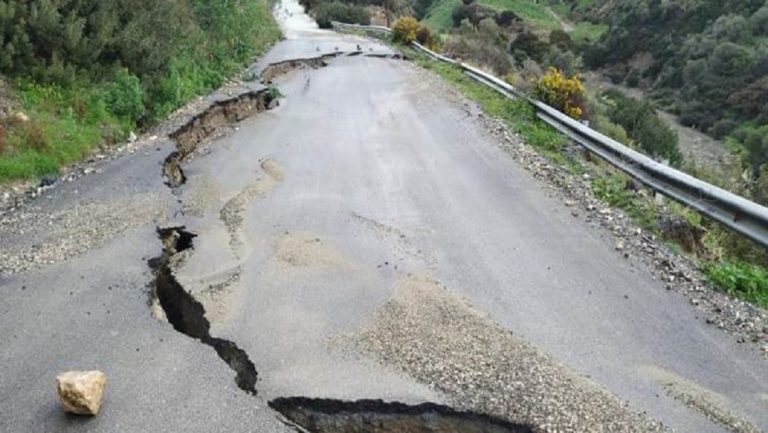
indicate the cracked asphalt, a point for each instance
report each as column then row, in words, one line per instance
column 308, row 218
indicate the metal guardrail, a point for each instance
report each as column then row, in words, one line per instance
column 383, row 29
column 739, row 214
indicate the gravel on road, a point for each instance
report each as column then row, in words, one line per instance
column 435, row 336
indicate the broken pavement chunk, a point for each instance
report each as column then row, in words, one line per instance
column 81, row 392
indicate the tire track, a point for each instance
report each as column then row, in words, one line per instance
column 232, row 214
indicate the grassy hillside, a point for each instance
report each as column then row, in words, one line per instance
column 538, row 14
column 87, row 72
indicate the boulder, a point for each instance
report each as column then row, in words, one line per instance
column 81, row 392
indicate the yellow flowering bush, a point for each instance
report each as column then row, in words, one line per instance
column 566, row 94
column 406, row 30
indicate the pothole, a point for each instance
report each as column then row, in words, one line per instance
column 187, row 315
column 377, row 416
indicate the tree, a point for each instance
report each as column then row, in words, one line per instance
column 643, row 125
column 561, row 39
column 506, row 18
column 390, row 8
column 489, row 30
column 462, row 12
column 752, row 100
column 530, row 44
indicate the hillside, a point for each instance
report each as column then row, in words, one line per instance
column 704, row 60
column 541, row 16
column 86, row 73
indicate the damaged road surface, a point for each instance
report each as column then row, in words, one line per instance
column 362, row 257
column 330, row 416
column 186, row 314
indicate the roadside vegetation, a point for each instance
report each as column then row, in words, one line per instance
column 344, row 11
column 518, row 114
column 86, row 73
column 732, row 263
column 79, row 74
column 326, row 12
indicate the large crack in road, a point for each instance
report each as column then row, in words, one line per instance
column 276, row 69
column 187, row 315
column 377, row 416
column 392, row 261
column 204, row 125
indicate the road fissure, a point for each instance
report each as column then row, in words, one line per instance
column 203, row 126
column 187, row 315
column 369, row 416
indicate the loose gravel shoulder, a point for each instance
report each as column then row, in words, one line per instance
column 45, row 238
column 436, row 337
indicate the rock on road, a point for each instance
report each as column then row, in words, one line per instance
column 366, row 239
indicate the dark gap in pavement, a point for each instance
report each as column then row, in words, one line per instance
column 276, row 69
column 219, row 115
column 187, row 315
column 172, row 171
column 176, row 239
column 377, row 416
column 386, row 56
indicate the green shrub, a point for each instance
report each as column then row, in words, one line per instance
column 565, row 61
column 613, row 130
column 739, row 279
column 88, row 71
column 473, row 47
column 124, row 96
column 473, row 12
column 56, row 133
column 560, row 39
column 613, row 190
column 644, row 126
column 342, row 12
column 754, row 141
column 531, row 45
column 506, row 18
column 462, row 12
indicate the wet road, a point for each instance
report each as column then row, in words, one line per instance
column 307, row 218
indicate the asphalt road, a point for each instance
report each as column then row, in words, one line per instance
column 366, row 173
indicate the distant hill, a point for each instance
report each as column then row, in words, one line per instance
column 704, row 59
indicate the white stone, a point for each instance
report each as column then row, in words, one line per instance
column 81, row 392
